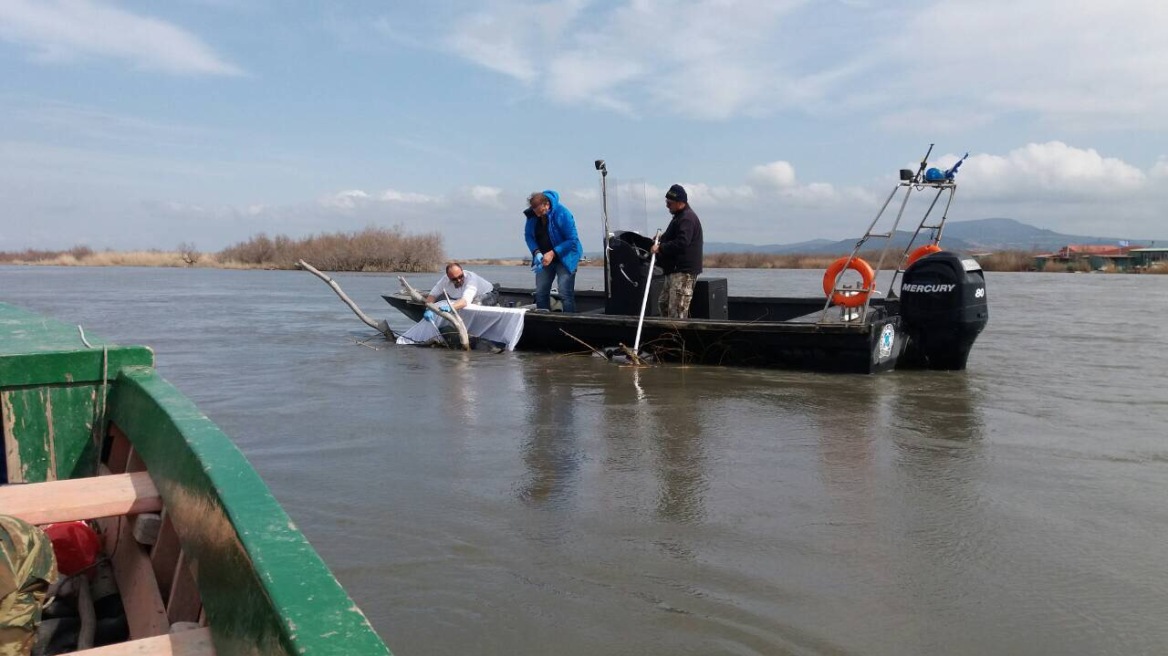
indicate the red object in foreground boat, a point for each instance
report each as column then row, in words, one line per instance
column 75, row 545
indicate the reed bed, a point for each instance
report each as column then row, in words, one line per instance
column 1007, row 261
column 765, row 261
column 371, row 249
column 391, row 249
column 83, row 256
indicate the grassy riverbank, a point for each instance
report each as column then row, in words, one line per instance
column 371, row 249
column 382, row 250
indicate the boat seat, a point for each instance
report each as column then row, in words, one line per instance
column 196, row 642
column 81, row 498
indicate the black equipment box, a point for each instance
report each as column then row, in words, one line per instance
column 711, row 299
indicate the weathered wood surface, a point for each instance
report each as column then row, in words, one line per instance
column 82, row 498
column 451, row 316
column 380, row 326
column 145, row 610
column 196, row 642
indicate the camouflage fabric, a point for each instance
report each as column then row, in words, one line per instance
column 27, row 567
column 677, row 294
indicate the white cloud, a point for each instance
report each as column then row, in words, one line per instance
column 82, row 122
column 703, row 59
column 65, row 30
column 393, row 195
column 1078, row 65
column 1053, row 185
column 1160, row 170
column 512, row 37
column 347, row 199
column 779, row 175
column 1051, row 170
column 483, row 195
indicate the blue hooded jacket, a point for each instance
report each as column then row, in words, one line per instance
column 561, row 231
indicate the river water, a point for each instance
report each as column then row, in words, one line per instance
column 549, row 504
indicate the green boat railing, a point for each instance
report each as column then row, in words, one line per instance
column 65, row 398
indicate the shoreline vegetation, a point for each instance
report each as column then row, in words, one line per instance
column 370, row 250
column 376, row 249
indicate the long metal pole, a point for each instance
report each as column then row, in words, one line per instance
column 600, row 166
column 645, row 298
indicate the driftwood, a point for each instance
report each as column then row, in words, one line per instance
column 590, row 347
column 380, row 326
column 609, row 353
column 633, row 356
column 451, row 316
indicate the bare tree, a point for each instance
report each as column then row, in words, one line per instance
column 189, row 253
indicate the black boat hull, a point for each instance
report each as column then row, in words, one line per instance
column 771, row 333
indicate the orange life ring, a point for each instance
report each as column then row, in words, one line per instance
column 923, row 251
column 848, row 299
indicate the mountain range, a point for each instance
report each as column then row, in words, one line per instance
column 975, row 236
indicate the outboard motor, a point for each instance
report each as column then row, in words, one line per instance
column 628, row 269
column 943, row 308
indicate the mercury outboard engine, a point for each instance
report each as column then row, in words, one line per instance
column 943, row 309
column 628, row 268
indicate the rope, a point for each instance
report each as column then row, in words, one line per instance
column 97, row 431
column 83, row 340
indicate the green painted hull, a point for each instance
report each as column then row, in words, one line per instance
column 263, row 587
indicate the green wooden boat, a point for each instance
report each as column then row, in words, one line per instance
column 91, row 432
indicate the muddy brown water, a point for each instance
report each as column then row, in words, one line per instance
column 543, row 504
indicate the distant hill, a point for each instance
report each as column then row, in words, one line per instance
column 978, row 235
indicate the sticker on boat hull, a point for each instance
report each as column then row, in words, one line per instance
column 887, row 339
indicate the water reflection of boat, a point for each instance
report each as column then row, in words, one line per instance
column 930, row 320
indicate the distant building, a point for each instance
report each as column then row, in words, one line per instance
column 1092, row 257
column 1142, row 258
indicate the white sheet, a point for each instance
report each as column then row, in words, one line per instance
column 498, row 324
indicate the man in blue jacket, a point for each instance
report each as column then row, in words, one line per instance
column 555, row 248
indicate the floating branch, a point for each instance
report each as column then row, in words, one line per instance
column 451, row 316
column 586, row 344
column 380, row 326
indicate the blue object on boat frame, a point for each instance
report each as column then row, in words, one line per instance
column 934, row 175
column 953, row 169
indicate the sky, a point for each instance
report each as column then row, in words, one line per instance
column 134, row 124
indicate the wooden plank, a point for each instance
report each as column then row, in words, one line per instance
column 196, row 642
column 119, row 451
column 165, row 555
column 82, row 498
column 134, row 462
column 184, row 604
column 145, row 612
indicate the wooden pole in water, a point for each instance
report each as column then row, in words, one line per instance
column 380, row 326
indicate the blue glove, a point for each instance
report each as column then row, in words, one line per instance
column 429, row 315
column 445, row 307
column 537, row 262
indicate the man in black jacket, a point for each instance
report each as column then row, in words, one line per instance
column 680, row 254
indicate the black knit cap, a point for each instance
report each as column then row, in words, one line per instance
column 677, row 193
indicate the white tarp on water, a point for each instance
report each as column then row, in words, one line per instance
column 497, row 324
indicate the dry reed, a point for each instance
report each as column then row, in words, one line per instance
column 371, row 249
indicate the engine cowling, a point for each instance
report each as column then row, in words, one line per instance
column 943, row 306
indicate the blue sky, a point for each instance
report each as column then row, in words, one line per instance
column 140, row 124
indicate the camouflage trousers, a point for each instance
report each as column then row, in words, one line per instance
column 677, row 294
column 27, row 567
